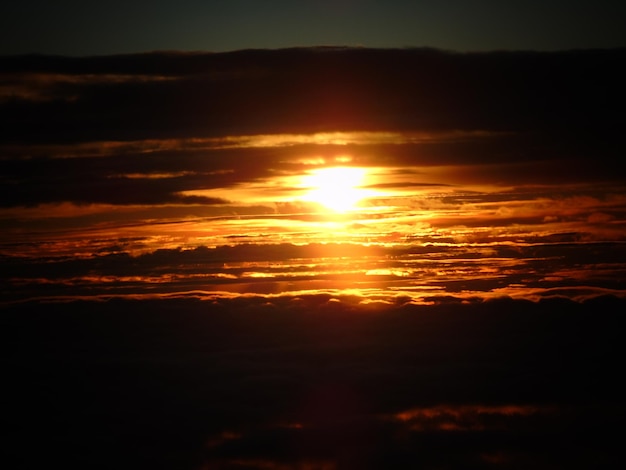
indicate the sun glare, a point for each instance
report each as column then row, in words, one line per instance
column 337, row 188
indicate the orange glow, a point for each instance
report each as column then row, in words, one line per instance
column 465, row 417
column 458, row 412
column 337, row 188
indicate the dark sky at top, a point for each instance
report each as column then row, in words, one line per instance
column 72, row 27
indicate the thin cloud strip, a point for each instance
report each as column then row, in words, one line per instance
column 420, row 272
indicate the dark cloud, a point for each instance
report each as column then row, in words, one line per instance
column 83, row 189
column 178, row 383
column 126, row 178
column 577, row 93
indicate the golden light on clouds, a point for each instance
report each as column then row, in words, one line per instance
column 297, row 206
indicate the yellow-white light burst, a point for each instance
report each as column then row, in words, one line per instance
column 337, row 188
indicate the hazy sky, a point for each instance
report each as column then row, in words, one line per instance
column 71, row 27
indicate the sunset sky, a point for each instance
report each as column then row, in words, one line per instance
column 307, row 170
column 331, row 235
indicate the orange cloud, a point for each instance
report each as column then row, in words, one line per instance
column 466, row 417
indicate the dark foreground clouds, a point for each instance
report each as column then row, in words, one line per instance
column 289, row 382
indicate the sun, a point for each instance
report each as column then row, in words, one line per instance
column 336, row 188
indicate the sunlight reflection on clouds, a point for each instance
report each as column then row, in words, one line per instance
column 416, row 227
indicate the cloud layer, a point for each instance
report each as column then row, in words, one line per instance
column 330, row 383
column 168, row 95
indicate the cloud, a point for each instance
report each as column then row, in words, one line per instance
column 305, row 90
column 315, row 379
column 422, row 272
column 466, row 417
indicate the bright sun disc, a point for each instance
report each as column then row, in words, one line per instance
column 338, row 188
